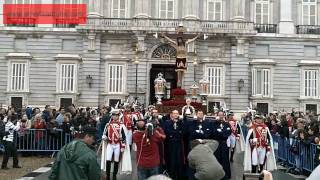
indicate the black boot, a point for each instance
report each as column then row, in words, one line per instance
column 260, row 168
column 254, row 169
column 115, row 170
column 232, row 153
column 108, row 168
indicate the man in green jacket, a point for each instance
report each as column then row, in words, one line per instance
column 76, row 161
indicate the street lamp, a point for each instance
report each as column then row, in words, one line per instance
column 240, row 84
column 204, row 90
column 136, row 62
column 194, row 91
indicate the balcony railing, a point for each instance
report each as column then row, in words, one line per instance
column 266, row 28
column 22, row 22
column 308, row 29
column 156, row 25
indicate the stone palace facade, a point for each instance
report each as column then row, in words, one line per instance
column 260, row 51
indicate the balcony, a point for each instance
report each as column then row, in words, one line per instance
column 169, row 25
column 308, row 29
column 266, row 28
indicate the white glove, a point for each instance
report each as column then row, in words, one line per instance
column 104, row 137
column 219, row 130
column 255, row 140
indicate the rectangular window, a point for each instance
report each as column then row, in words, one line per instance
column 214, row 75
column 262, row 11
column 310, row 83
column 18, row 76
column 310, row 51
column 166, row 10
column 312, row 108
column 116, row 78
column 261, row 82
column 67, row 77
column 214, row 10
column 309, row 9
column 119, row 8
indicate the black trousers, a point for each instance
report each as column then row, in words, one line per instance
column 9, row 150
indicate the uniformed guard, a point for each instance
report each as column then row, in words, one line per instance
column 221, row 132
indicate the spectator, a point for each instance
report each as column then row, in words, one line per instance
column 60, row 118
column 39, row 124
column 9, row 146
column 47, row 113
column 24, row 125
column 77, row 160
column 148, row 159
column 202, row 159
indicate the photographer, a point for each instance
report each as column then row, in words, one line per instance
column 147, row 138
column 9, row 145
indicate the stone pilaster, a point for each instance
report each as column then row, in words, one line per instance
column 142, row 9
column 190, row 9
column 286, row 25
column 238, row 9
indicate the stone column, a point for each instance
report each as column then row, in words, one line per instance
column 286, row 25
column 142, row 9
column 238, row 8
column 190, row 9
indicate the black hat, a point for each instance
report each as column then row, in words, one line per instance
column 89, row 130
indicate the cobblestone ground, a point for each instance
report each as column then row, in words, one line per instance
column 28, row 164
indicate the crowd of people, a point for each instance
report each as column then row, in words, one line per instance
column 299, row 130
column 163, row 143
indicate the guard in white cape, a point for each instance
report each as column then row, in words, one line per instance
column 235, row 141
column 259, row 148
column 113, row 144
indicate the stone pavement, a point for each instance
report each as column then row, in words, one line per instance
column 28, row 164
column 236, row 170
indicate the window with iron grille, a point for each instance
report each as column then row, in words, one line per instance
column 261, row 82
column 119, row 8
column 166, row 10
column 215, row 78
column 116, row 78
column 309, row 9
column 67, row 78
column 310, row 83
column 18, row 76
column 214, row 10
column 262, row 11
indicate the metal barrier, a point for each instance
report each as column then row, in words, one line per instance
column 304, row 157
column 41, row 140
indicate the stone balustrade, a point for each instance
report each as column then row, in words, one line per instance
column 169, row 25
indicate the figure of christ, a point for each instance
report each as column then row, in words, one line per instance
column 181, row 59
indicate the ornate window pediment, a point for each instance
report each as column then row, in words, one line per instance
column 164, row 51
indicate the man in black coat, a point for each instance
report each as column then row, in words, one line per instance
column 221, row 132
column 174, row 150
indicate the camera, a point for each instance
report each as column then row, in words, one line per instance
column 150, row 129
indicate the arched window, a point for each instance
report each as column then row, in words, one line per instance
column 164, row 51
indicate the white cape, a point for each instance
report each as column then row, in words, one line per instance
column 271, row 160
column 125, row 163
column 240, row 144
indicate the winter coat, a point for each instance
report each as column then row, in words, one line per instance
column 75, row 161
column 201, row 159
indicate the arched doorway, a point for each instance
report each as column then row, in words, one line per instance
column 163, row 53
